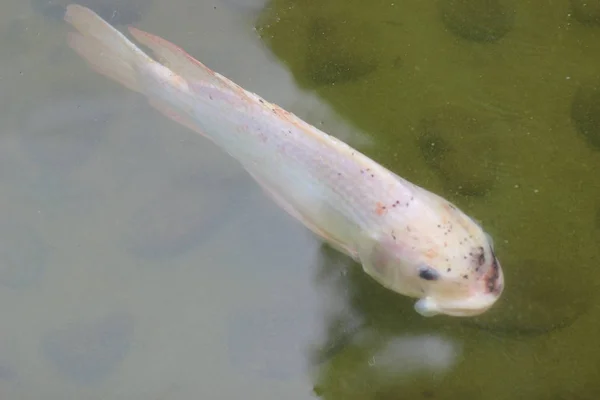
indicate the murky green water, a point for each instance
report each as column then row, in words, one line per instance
column 495, row 105
column 139, row 262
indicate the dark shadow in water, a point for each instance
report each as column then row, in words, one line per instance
column 88, row 352
column 63, row 133
column 586, row 11
column 182, row 217
column 585, row 111
column 484, row 21
column 460, row 146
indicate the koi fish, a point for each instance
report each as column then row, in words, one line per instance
column 407, row 238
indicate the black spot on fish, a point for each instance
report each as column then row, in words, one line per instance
column 478, row 256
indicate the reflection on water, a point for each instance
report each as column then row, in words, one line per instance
column 241, row 301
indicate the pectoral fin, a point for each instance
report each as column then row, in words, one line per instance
column 318, row 229
column 375, row 261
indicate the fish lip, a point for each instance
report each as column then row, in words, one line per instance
column 472, row 306
column 465, row 311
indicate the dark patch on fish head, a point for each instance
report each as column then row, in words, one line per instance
column 488, row 267
column 494, row 281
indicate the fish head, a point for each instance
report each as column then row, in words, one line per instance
column 446, row 261
column 462, row 295
column 456, row 263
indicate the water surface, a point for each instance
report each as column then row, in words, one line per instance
column 139, row 262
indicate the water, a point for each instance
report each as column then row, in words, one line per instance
column 493, row 104
column 139, row 262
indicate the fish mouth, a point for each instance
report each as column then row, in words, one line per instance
column 484, row 293
column 490, row 288
column 471, row 307
column 487, row 291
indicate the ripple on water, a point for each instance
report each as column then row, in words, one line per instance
column 88, row 352
column 22, row 255
column 478, row 20
column 61, row 134
column 460, row 146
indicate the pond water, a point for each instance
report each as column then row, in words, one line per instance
column 137, row 261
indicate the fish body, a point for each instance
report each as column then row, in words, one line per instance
column 410, row 240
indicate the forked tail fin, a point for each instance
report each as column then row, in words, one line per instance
column 106, row 49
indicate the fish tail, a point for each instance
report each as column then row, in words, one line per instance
column 105, row 49
column 182, row 63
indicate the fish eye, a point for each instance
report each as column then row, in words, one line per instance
column 428, row 273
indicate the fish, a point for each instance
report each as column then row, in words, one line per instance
column 407, row 238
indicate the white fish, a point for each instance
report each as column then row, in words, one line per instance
column 408, row 239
